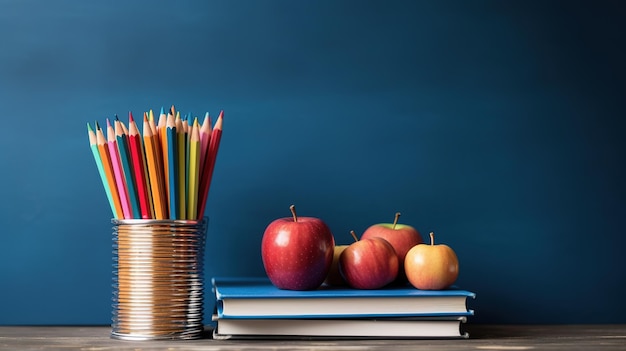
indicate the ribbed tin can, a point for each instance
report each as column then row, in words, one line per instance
column 158, row 286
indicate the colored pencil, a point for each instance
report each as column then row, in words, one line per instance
column 103, row 177
column 161, row 171
column 135, row 149
column 209, row 164
column 172, row 167
column 160, row 158
column 205, row 137
column 122, row 145
column 103, row 151
column 188, row 130
column 146, row 175
column 156, row 177
column 181, row 147
column 120, row 180
column 162, row 135
column 193, row 171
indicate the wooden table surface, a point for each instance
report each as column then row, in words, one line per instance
column 482, row 337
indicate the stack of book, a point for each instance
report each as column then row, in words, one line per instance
column 253, row 308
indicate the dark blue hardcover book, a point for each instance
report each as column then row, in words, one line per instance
column 258, row 298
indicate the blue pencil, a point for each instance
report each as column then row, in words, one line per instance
column 172, row 161
column 96, row 155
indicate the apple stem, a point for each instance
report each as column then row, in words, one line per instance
column 395, row 220
column 354, row 236
column 432, row 238
column 293, row 212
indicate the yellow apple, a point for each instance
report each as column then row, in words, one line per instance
column 431, row 267
column 334, row 277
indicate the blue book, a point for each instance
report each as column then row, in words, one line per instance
column 258, row 298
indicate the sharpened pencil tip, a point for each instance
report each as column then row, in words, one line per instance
column 97, row 126
column 108, row 123
column 130, row 117
column 89, row 127
column 162, row 111
column 117, row 119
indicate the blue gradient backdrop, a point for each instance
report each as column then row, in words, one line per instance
column 500, row 125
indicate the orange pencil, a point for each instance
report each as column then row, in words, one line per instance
column 154, row 174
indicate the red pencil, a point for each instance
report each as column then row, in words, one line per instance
column 209, row 164
column 137, row 160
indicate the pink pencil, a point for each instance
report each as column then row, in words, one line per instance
column 205, row 137
column 117, row 170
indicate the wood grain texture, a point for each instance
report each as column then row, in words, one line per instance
column 482, row 337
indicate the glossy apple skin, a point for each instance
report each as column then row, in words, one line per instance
column 369, row 264
column 334, row 277
column 431, row 267
column 403, row 237
column 297, row 255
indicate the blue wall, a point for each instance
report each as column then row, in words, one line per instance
column 498, row 125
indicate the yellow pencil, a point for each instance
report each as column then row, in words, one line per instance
column 181, row 139
column 194, row 171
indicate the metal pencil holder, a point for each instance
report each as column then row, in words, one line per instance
column 158, row 279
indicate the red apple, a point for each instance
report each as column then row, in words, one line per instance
column 401, row 236
column 334, row 277
column 431, row 267
column 297, row 252
column 369, row 263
